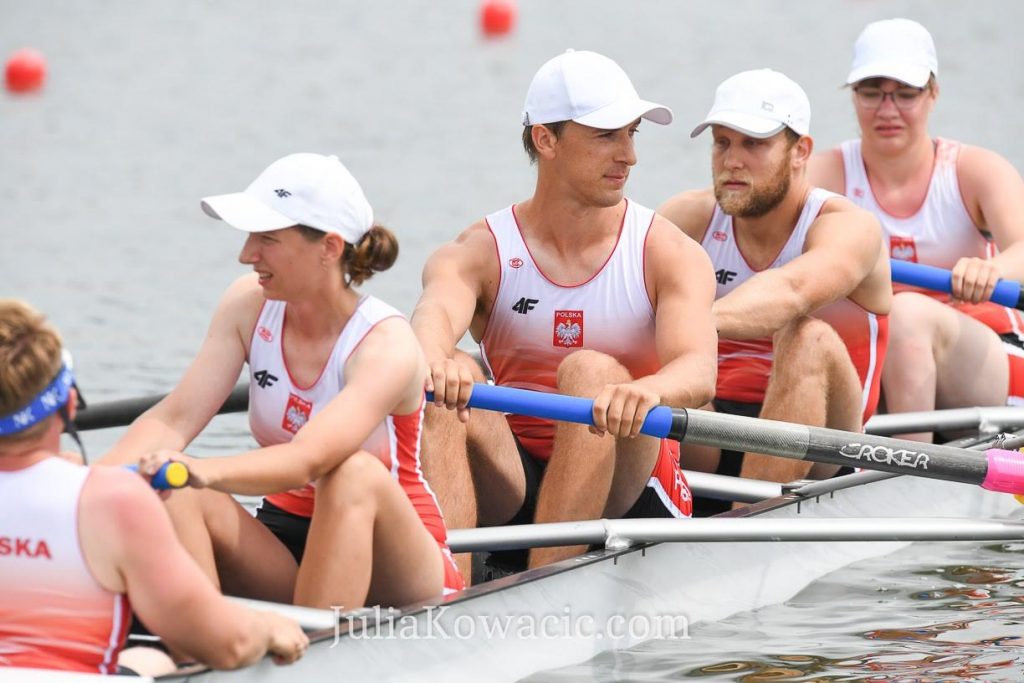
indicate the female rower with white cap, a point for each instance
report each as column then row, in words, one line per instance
column 940, row 203
column 335, row 402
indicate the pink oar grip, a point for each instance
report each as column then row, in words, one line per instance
column 1005, row 471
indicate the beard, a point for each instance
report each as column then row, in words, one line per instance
column 762, row 198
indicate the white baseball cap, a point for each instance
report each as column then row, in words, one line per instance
column 589, row 89
column 899, row 49
column 759, row 103
column 300, row 189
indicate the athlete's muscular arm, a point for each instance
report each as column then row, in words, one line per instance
column 181, row 415
column 825, row 170
column 842, row 249
column 130, row 547
column 994, row 194
column 682, row 287
column 383, row 377
column 454, row 281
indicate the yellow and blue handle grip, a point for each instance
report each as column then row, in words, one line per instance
column 171, row 475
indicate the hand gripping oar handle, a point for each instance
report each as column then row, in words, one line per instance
column 659, row 421
column 1007, row 292
column 171, row 475
column 995, row 470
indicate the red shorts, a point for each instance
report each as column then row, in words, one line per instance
column 1009, row 325
column 666, row 494
column 668, row 484
column 452, row 578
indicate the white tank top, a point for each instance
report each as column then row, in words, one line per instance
column 941, row 231
column 278, row 407
column 744, row 365
column 535, row 323
column 53, row 612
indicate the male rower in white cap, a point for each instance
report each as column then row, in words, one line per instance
column 803, row 281
column 81, row 546
column 576, row 290
column 940, row 203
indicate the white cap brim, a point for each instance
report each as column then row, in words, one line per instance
column 624, row 112
column 748, row 124
column 243, row 211
column 916, row 76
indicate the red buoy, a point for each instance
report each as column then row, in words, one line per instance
column 497, row 17
column 26, row 71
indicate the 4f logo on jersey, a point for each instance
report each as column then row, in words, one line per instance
column 724, row 276
column 264, row 379
column 525, row 305
column 568, row 329
column 296, row 413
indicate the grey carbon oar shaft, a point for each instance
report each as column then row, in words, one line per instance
column 819, row 444
column 995, row 469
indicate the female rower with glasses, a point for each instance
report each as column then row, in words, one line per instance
column 940, row 203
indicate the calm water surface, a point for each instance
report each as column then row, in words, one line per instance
column 151, row 105
column 932, row 612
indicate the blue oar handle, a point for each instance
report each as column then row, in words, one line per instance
column 1007, row 292
column 171, row 475
column 555, row 407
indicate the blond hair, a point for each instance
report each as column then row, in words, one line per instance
column 30, row 358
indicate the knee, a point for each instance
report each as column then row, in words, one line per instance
column 915, row 317
column 355, row 482
column 805, row 334
column 809, row 344
column 588, row 371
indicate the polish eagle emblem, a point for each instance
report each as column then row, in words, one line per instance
column 568, row 333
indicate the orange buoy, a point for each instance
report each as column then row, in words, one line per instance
column 26, row 71
column 497, row 17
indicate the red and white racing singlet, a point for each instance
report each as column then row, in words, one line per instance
column 939, row 234
column 744, row 366
column 535, row 322
column 278, row 408
column 53, row 612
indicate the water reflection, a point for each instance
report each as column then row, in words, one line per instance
column 985, row 645
column 932, row 612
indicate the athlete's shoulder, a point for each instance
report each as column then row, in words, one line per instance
column 839, row 219
column 978, row 163
column 826, row 170
column 244, row 293
column 690, row 211
column 114, row 496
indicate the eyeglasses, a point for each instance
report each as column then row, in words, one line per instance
column 904, row 98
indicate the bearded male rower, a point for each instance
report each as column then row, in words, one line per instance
column 802, row 275
column 575, row 290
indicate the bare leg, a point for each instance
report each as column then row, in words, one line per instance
column 473, row 469
column 366, row 541
column 813, row 382
column 236, row 551
column 941, row 358
column 578, row 483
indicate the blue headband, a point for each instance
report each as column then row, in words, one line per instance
column 45, row 404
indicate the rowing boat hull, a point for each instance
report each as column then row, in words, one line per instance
column 698, row 581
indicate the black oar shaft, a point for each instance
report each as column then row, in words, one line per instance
column 121, row 413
